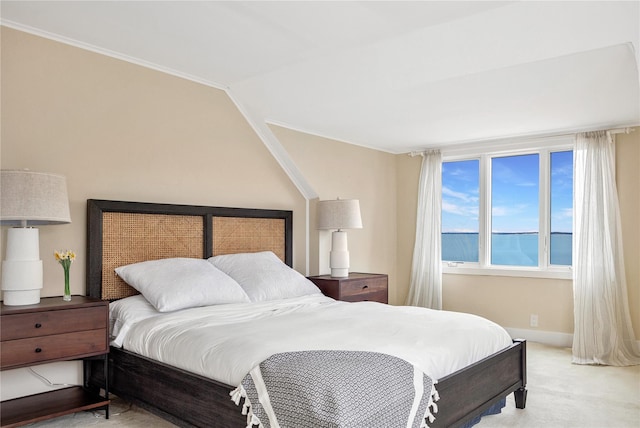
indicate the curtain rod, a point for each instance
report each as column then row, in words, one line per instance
column 625, row 130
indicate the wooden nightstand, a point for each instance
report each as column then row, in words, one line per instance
column 357, row 287
column 53, row 330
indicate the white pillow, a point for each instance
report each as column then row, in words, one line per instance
column 180, row 283
column 263, row 276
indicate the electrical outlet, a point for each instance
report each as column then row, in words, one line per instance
column 533, row 320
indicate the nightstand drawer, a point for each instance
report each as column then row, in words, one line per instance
column 35, row 350
column 369, row 296
column 357, row 287
column 19, row 326
column 362, row 287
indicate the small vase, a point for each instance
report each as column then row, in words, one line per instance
column 67, row 289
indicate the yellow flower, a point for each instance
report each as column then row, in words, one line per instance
column 65, row 257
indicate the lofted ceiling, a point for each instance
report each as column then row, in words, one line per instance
column 390, row 75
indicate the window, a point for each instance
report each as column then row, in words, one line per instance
column 508, row 212
column 561, row 242
column 515, row 218
column 460, row 207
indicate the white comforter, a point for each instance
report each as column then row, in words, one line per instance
column 225, row 342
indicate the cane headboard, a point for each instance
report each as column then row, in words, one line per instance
column 120, row 233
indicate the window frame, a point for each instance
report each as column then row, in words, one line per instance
column 485, row 152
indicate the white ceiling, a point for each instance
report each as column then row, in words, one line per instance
column 395, row 76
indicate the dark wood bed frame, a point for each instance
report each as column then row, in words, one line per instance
column 190, row 400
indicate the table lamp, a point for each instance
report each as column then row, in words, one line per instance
column 339, row 214
column 28, row 199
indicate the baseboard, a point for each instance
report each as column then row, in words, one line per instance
column 553, row 338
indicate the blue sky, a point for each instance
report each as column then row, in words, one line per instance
column 460, row 196
column 515, row 187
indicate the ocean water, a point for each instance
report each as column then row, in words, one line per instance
column 507, row 249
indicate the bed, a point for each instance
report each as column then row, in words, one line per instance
column 122, row 233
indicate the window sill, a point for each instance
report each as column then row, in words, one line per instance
column 518, row 272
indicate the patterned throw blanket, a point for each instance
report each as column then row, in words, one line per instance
column 336, row 389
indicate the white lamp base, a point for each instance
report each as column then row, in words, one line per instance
column 339, row 255
column 21, row 297
column 22, row 268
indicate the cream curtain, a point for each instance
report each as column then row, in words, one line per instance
column 426, row 270
column 602, row 333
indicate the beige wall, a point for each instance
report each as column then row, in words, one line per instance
column 336, row 169
column 628, row 183
column 509, row 301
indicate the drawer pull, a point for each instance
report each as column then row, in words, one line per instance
column 38, row 325
column 365, row 287
column 38, row 350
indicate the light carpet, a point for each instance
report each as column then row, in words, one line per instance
column 561, row 395
column 565, row 395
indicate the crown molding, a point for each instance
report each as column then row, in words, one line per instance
column 109, row 53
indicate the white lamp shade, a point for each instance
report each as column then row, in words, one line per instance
column 33, row 198
column 339, row 214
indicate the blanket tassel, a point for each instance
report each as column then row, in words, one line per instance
column 432, row 408
column 252, row 420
